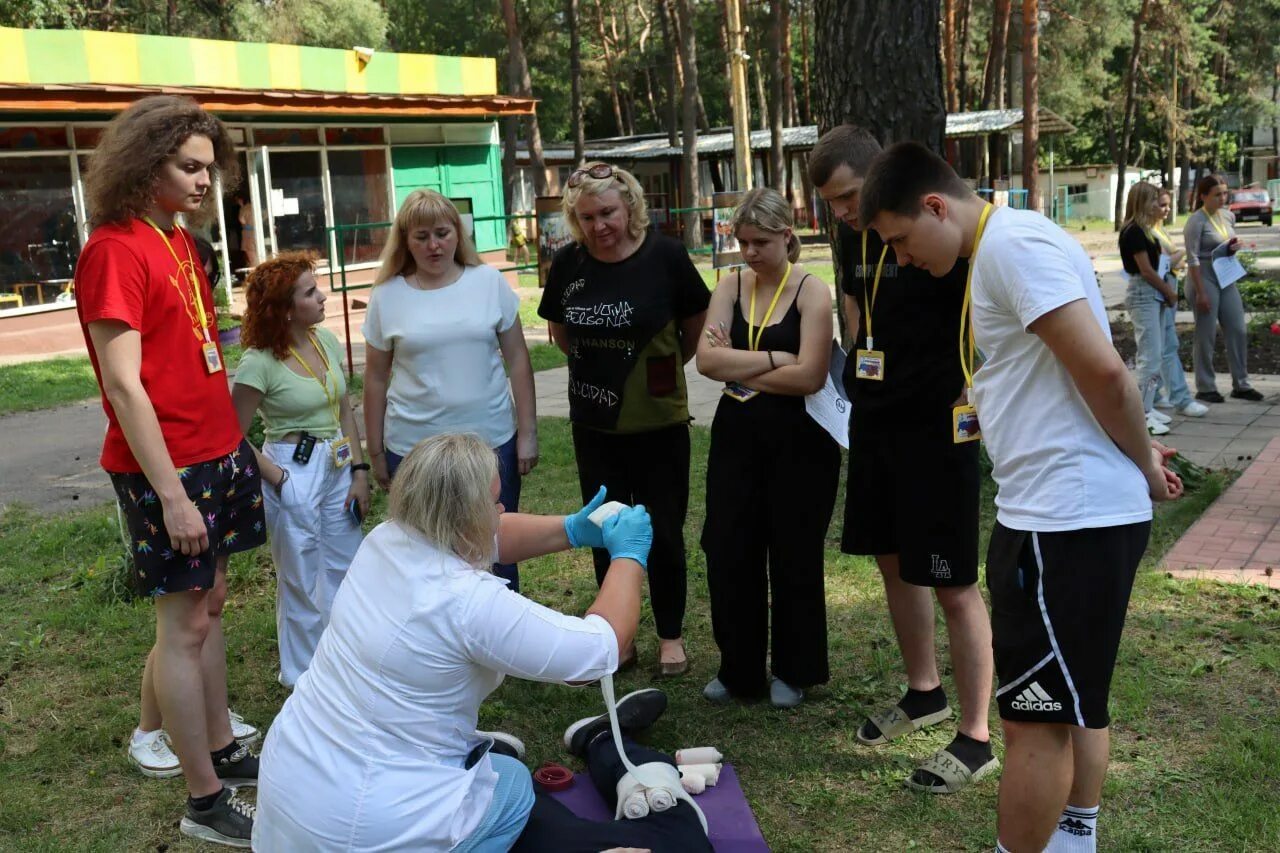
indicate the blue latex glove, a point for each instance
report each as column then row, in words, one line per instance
column 582, row 533
column 629, row 534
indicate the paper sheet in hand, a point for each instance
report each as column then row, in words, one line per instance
column 1162, row 268
column 1229, row 270
column 829, row 406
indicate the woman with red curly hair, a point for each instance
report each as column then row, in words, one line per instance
column 291, row 373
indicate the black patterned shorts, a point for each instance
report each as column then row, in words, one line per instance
column 228, row 493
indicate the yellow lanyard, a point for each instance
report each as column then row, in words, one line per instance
column 870, row 301
column 753, row 337
column 967, row 365
column 335, row 404
column 198, row 325
column 1164, row 238
column 1216, row 221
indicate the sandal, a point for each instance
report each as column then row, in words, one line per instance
column 952, row 771
column 669, row 669
column 894, row 723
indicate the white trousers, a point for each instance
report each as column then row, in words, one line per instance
column 313, row 541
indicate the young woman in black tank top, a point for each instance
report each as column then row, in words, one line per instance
column 772, row 472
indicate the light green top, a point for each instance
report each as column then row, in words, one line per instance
column 293, row 402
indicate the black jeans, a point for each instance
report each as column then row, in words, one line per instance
column 650, row 468
column 552, row 827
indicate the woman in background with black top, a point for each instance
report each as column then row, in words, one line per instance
column 1148, row 295
column 627, row 305
column 773, row 472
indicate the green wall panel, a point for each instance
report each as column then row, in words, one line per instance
column 457, row 171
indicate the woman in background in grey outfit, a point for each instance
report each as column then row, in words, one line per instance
column 1210, row 234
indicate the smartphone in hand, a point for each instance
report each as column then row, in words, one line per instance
column 353, row 510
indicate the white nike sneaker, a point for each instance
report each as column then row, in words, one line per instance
column 1155, row 427
column 1159, row 416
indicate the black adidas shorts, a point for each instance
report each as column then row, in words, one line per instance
column 914, row 493
column 228, row 493
column 1058, row 603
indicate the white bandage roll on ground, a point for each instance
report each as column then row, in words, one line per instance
column 710, row 772
column 698, row 755
column 604, row 512
column 660, row 799
column 636, row 806
column 694, row 783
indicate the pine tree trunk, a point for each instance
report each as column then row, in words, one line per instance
column 876, row 64
column 610, row 77
column 522, row 86
column 993, row 83
column 806, row 7
column 1130, row 106
column 672, row 58
column 777, row 164
column 575, row 83
column 1031, row 102
column 790, row 114
column 689, row 125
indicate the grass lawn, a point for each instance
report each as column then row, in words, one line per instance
column 34, row 385
column 1197, row 737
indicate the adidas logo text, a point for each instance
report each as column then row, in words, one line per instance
column 1034, row 698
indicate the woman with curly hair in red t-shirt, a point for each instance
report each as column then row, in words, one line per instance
column 186, row 479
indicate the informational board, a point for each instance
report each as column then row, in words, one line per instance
column 553, row 233
column 724, row 245
column 467, row 213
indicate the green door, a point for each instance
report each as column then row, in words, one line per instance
column 457, row 171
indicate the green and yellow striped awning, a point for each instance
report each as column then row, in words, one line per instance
column 39, row 58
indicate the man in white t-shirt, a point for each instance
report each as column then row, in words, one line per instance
column 1076, row 474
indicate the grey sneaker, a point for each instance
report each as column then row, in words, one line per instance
column 240, row 769
column 228, row 821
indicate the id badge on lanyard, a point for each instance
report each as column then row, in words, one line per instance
column 341, row 451
column 212, row 360
column 869, row 363
column 964, row 423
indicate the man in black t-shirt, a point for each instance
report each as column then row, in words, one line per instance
column 912, row 492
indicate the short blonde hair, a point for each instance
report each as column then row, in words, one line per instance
column 622, row 181
column 443, row 490
column 422, row 208
column 766, row 208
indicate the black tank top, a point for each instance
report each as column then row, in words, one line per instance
column 783, row 336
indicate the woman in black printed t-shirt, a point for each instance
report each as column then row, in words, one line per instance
column 626, row 306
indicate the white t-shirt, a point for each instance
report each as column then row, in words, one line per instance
column 446, row 368
column 369, row 751
column 1054, row 465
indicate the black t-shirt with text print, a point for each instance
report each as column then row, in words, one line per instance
column 623, row 319
column 916, row 324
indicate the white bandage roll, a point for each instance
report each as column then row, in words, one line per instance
column 660, row 799
column 604, row 512
column 698, row 755
column 636, row 806
column 710, row 772
column 694, row 783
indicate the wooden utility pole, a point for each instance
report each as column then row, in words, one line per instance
column 738, row 95
column 1031, row 101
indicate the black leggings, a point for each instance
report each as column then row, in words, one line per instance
column 552, row 827
column 650, row 468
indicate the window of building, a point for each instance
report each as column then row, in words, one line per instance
column 359, row 182
column 39, row 237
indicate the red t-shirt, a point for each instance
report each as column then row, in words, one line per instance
column 126, row 273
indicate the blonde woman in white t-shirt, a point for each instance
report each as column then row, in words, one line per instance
column 442, row 336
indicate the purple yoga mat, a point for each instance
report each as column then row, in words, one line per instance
column 732, row 826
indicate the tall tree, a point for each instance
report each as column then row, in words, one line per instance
column 611, row 76
column 575, row 83
column 673, row 70
column 777, row 164
column 1122, row 149
column 949, row 71
column 689, row 125
column 993, row 83
column 1031, row 102
column 876, row 64
column 518, row 69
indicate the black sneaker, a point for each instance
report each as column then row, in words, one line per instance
column 1212, row 397
column 636, row 711
column 240, row 769
column 228, row 821
column 1247, row 394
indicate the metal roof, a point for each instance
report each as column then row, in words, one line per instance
column 654, row 146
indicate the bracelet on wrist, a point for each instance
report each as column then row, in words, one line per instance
column 772, row 365
column 360, row 466
column 284, row 478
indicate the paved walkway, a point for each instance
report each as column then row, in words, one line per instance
column 1238, row 537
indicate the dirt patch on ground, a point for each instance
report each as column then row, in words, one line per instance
column 1263, row 358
